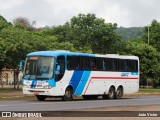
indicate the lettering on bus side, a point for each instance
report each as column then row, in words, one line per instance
column 125, row 74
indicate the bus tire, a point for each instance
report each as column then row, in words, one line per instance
column 41, row 97
column 119, row 93
column 111, row 93
column 68, row 95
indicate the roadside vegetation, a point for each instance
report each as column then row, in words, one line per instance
column 83, row 33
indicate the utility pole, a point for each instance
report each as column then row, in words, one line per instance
column 148, row 44
column 148, row 35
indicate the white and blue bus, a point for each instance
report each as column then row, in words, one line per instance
column 66, row 74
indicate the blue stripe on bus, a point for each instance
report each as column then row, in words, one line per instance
column 33, row 84
column 82, row 83
column 52, row 83
column 76, row 77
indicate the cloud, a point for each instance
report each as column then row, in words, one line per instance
column 56, row 12
column 7, row 4
column 141, row 12
column 34, row 10
column 112, row 11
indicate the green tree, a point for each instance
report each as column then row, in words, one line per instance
column 14, row 47
column 149, row 59
column 154, row 34
column 4, row 23
column 2, row 53
column 18, row 40
column 50, row 42
column 152, row 37
column 88, row 33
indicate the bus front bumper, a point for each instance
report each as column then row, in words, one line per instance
column 46, row 92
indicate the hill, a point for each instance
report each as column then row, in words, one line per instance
column 130, row 33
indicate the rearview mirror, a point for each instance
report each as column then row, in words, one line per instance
column 21, row 65
column 57, row 69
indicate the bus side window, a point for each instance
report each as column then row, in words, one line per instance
column 61, row 62
column 124, row 65
column 73, row 63
column 104, row 64
column 108, row 64
column 76, row 62
column 83, row 63
column 99, row 64
column 86, row 63
column 69, row 63
column 133, row 65
column 93, row 64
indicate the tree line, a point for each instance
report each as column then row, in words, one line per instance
column 82, row 33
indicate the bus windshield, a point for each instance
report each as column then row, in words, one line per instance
column 39, row 68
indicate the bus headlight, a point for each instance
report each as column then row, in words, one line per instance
column 47, row 87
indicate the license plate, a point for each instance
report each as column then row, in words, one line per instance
column 36, row 93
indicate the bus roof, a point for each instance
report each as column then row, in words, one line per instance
column 64, row 52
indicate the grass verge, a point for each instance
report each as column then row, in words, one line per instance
column 150, row 90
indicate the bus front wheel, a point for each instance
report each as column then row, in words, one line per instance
column 111, row 93
column 41, row 97
column 68, row 95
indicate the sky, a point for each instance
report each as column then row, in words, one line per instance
column 126, row 13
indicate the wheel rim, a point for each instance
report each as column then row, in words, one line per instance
column 111, row 92
column 119, row 92
column 68, row 94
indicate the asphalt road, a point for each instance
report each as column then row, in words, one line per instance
column 78, row 104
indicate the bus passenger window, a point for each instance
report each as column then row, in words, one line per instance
column 93, row 66
column 109, row 64
column 123, row 66
column 73, row 63
column 133, row 65
column 104, row 64
column 93, row 63
column 99, row 64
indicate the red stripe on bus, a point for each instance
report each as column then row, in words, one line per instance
column 122, row 78
column 113, row 78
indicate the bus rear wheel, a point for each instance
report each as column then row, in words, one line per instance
column 41, row 97
column 119, row 93
column 68, row 95
column 110, row 95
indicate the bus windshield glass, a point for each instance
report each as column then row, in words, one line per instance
column 39, row 68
